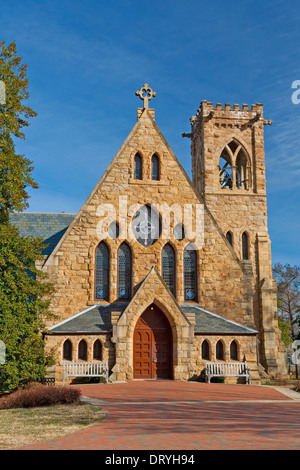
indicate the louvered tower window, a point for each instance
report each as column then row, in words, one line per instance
column 190, row 275
column 102, row 272
column 168, row 267
column 124, row 272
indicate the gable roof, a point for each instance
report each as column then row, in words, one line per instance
column 97, row 319
column 50, row 227
column 211, row 323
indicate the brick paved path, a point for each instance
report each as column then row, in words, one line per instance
column 168, row 415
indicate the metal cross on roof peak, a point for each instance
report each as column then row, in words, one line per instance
column 146, row 93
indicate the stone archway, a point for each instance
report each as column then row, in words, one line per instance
column 152, row 346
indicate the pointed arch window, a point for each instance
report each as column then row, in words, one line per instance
column 138, row 167
column 124, row 272
column 168, row 267
column 219, row 351
column 245, row 246
column 155, row 170
column 190, row 274
column 67, row 350
column 102, row 272
column 205, row 350
column 225, row 170
column 233, row 351
column 97, row 350
column 82, row 350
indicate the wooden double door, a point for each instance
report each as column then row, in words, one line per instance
column 153, row 346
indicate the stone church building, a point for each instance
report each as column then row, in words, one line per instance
column 157, row 273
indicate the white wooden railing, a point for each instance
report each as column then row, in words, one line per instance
column 85, row 369
column 227, row 369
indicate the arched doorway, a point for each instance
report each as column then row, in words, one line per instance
column 152, row 346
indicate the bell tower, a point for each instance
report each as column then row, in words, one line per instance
column 228, row 171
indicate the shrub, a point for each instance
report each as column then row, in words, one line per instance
column 35, row 395
column 297, row 386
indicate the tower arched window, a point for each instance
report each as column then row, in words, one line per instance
column 242, row 170
column 124, row 272
column 138, row 167
column 245, row 246
column 225, row 170
column 155, row 170
column 219, row 351
column 67, row 350
column 190, row 274
column 168, row 267
column 233, row 351
column 97, row 350
column 82, row 350
column 102, row 272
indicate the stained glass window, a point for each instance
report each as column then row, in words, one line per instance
column 219, row 350
column 168, row 267
column 233, row 351
column 190, row 275
column 124, row 272
column 205, row 350
column 155, row 167
column 102, row 272
column 138, row 167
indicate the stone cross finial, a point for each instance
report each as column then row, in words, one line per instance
column 146, row 93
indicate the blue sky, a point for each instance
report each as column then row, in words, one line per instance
column 87, row 58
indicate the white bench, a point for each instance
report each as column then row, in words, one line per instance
column 85, row 369
column 227, row 369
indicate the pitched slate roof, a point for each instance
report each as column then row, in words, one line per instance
column 48, row 226
column 94, row 319
column 97, row 319
column 208, row 322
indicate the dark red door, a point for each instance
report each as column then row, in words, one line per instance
column 152, row 348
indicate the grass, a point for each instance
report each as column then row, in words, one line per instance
column 24, row 426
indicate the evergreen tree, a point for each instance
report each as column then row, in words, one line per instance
column 24, row 291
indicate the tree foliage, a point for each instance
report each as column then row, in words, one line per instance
column 288, row 294
column 15, row 169
column 23, row 288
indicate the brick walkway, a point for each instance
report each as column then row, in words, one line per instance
column 169, row 415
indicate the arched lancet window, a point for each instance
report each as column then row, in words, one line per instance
column 219, row 351
column 67, row 350
column 205, row 350
column 155, row 170
column 168, row 267
column 225, row 170
column 82, row 350
column 102, row 272
column 97, row 350
column 233, row 351
column 190, row 274
column 124, row 272
column 138, row 167
column 242, row 170
column 245, row 246
column 229, row 237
